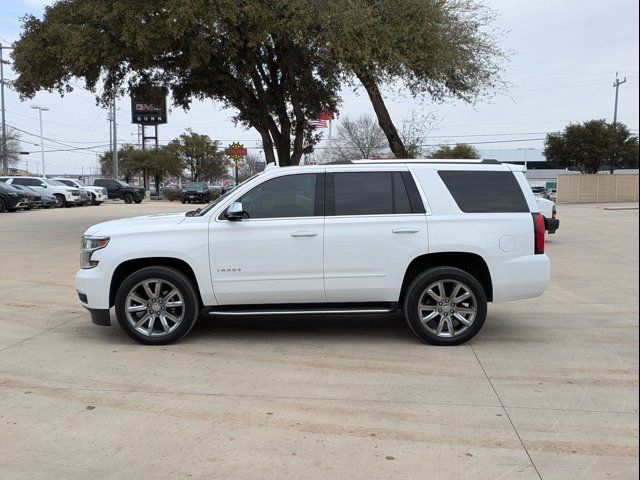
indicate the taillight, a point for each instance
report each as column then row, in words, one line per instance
column 538, row 232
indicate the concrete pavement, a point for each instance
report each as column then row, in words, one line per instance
column 548, row 389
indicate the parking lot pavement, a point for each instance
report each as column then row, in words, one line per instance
column 549, row 388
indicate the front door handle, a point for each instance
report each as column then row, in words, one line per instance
column 304, row 234
column 405, row 230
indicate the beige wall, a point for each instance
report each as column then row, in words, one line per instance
column 597, row 188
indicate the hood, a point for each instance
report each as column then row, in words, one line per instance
column 146, row 223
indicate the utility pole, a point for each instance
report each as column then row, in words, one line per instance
column 114, row 150
column 616, row 85
column 40, row 110
column 5, row 157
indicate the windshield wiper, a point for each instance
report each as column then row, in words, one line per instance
column 192, row 213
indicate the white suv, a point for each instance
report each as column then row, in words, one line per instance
column 436, row 240
column 96, row 194
column 64, row 194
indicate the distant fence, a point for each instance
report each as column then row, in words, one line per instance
column 597, row 188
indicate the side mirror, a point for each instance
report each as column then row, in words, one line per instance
column 235, row 212
column 43, row 185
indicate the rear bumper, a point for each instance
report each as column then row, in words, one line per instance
column 520, row 278
column 551, row 224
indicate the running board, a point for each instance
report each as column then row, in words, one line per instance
column 302, row 311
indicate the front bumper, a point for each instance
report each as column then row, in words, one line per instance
column 551, row 225
column 92, row 285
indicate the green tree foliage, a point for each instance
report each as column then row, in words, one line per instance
column 254, row 56
column 157, row 162
column 199, row 155
column 441, row 49
column 590, row 146
column 458, row 151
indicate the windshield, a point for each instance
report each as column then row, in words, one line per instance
column 123, row 184
column 195, row 186
column 222, row 197
column 78, row 182
column 54, row 183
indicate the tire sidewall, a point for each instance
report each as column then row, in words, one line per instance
column 3, row 205
column 181, row 282
column 62, row 202
column 128, row 198
column 421, row 282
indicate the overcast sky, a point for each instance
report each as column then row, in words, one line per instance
column 564, row 58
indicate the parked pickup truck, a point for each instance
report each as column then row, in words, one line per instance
column 120, row 189
column 550, row 212
column 435, row 239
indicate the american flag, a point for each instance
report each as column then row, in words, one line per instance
column 318, row 123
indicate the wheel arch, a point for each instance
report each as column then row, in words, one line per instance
column 471, row 263
column 127, row 267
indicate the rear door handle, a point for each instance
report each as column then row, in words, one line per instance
column 304, row 234
column 405, row 230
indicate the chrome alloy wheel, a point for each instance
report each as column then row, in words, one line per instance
column 447, row 308
column 155, row 307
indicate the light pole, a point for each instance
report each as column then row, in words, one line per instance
column 40, row 110
column 5, row 158
column 525, row 155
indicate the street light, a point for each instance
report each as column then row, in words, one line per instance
column 40, row 110
column 525, row 155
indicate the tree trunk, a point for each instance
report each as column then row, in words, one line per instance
column 384, row 119
column 158, row 178
column 267, row 144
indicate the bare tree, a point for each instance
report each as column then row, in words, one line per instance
column 359, row 138
column 416, row 128
column 13, row 146
column 251, row 165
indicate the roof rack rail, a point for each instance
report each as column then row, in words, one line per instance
column 486, row 161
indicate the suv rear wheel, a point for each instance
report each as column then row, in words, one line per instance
column 445, row 306
column 157, row 305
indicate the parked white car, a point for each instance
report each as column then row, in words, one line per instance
column 64, row 194
column 96, row 194
column 438, row 240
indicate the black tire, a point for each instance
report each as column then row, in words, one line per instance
column 3, row 205
column 97, row 203
column 138, row 201
column 183, row 201
column 417, row 289
column 93, row 200
column 128, row 198
column 62, row 202
column 180, row 282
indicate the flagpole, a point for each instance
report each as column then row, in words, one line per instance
column 330, row 143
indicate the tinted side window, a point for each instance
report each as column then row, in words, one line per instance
column 485, row 192
column 288, row 196
column 26, row 181
column 369, row 193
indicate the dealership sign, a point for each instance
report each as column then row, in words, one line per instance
column 149, row 109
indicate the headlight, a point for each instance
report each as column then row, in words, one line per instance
column 90, row 245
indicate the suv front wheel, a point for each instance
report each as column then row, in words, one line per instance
column 445, row 306
column 157, row 305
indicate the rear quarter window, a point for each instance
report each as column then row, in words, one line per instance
column 485, row 192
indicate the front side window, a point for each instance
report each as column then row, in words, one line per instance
column 370, row 193
column 281, row 197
